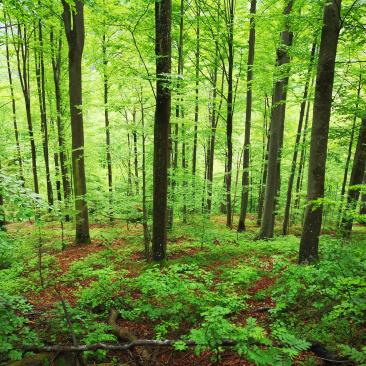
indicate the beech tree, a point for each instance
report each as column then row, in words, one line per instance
column 74, row 28
column 319, row 134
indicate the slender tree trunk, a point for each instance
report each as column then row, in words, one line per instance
column 300, row 174
column 248, row 120
column 144, row 195
column 13, row 106
column 107, row 127
column 56, row 67
column 129, row 170
column 196, row 109
column 350, row 146
column 22, row 52
column 276, row 132
column 74, row 28
column 135, row 153
column 363, row 197
column 357, row 174
column 286, row 219
column 2, row 211
column 40, row 77
column 319, row 133
column 265, row 146
column 230, row 111
column 161, row 127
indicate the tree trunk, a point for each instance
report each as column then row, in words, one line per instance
column 363, row 198
column 319, row 133
column 196, row 109
column 107, row 127
column 144, row 201
column 286, row 219
column 135, row 153
column 74, row 28
column 40, row 77
column 248, row 120
column 2, row 211
column 350, row 146
column 161, row 127
column 13, row 106
column 56, row 67
column 22, row 52
column 264, row 170
column 230, row 111
column 357, row 174
column 276, row 132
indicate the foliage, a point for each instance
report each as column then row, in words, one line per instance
column 14, row 326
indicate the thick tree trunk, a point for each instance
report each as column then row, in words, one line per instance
column 107, row 127
column 286, row 219
column 276, row 132
column 40, row 77
column 74, row 28
column 357, row 174
column 13, row 105
column 161, row 127
column 363, row 198
column 56, row 67
column 230, row 111
column 319, row 133
column 248, row 120
column 22, row 52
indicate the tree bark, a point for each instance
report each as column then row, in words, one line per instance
column 135, row 153
column 107, row 126
column 248, row 119
column 286, row 219
column 74, row 28
column 319, row 134
column 161, row 127
column 230, row 111
column 13, row 105
column 276, row 132
column 22, row 52
column 357, row 174
column 40, row 77
column 56, row 67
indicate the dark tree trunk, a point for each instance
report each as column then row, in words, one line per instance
column 107, row 127
column 276, row 132
column 13, row 106
column 40, row 77
column 319, row 133
column 248, row 120
column 74, row 28
column 357, row 174
column 56, row 67
column 286, row 219
column 22, row 52
column 230, row 111
column 161, row 127
column 129, row 170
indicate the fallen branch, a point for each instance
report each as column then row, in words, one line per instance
column 316, row 348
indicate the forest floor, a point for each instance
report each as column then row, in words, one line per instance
column 89, row 279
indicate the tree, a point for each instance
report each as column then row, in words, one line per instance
column 357, row 174
column 319, row 134
column 248, row 120
column 161, row 127
column 276, row 131
column 74, row 28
